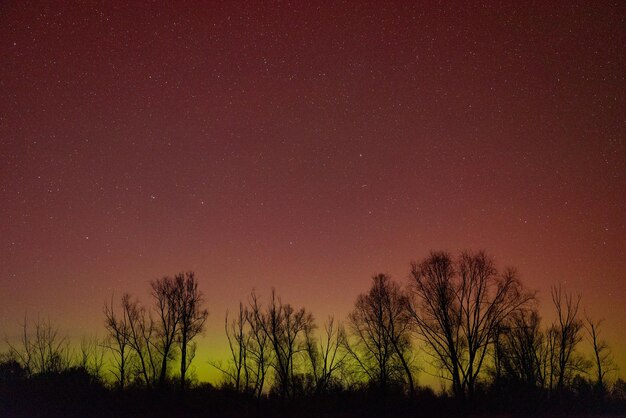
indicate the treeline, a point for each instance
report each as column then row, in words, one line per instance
column 479, row 328
column 143, row 343
column 459, row 318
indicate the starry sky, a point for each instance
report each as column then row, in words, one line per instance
column 306, row 146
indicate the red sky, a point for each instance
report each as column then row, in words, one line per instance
column 306, row 147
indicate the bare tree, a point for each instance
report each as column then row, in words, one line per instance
column 457, row 308
column 91, row 359
column 191, row 318
column 237, row 370
column 250, row 350
column 380, row 323
column 285, row 328
column 23, row 353
column 520, row 349
column 44, row 351
column 603, row 360
column 238, row 341
column 167, row 309
column 141, row 337
column 325, row 355
column 118, row 342
column 259, row 353
column 180, row 317
column 564, row 336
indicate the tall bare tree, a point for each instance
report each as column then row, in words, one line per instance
column 285, row 329
column 520, row 349
column 238, row 338
column 381, row 324
column 42, row 351
column 191, row 317
column 141, row 337
column 457, row 307
column 250, row 348
column 603, row 360
column 118, row 342
column 91, row 356
column 259, row 353
column 564, row 336
column 167, row 311
column 325, row 355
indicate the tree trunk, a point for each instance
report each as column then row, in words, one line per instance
column 183, row 360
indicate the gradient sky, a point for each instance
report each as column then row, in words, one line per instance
column 306, row 147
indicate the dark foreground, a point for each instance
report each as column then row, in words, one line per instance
column 77, row 395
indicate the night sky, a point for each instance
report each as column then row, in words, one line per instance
column 306, row 147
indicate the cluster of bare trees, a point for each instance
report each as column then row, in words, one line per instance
column 280, row 339
column 469, row 321
column 43, row 350
column 457, row 317
column 549, row 359
column 450, row 309
column 457, row 305
column 145, row 342
column 379, row 344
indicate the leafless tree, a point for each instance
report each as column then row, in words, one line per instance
column 92, row 353
column 22, row 353
column 285, row 328
column 191, row 317
column 141, row 337
column 118, row 341
column 237, row 369
column 325, row 355
column 520, row 348
column 167, row 309
column 259, row 353
column 457, row 308
column 380, row 324
column 151, row 340
column 250, row 349
column 238, row 342
column 564, row 336
column 44, row 351
column 603, row 360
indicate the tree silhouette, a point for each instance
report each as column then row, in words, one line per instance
column 259, row 355
column 563, row 338
column 118, row 342
column 238, row 342
column 470, row 317
column 189, row 301
column 259, row 339
column 285, row 329
column 380, row 323
column 520, row 349
column 603, row 360
column 44, row 351
column 325, row 355
column 91, row 356
column 458, row 306
column 251, row 352
column 167, row 308
column 141, row 337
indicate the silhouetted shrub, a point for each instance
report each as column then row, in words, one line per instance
column 11, row 371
